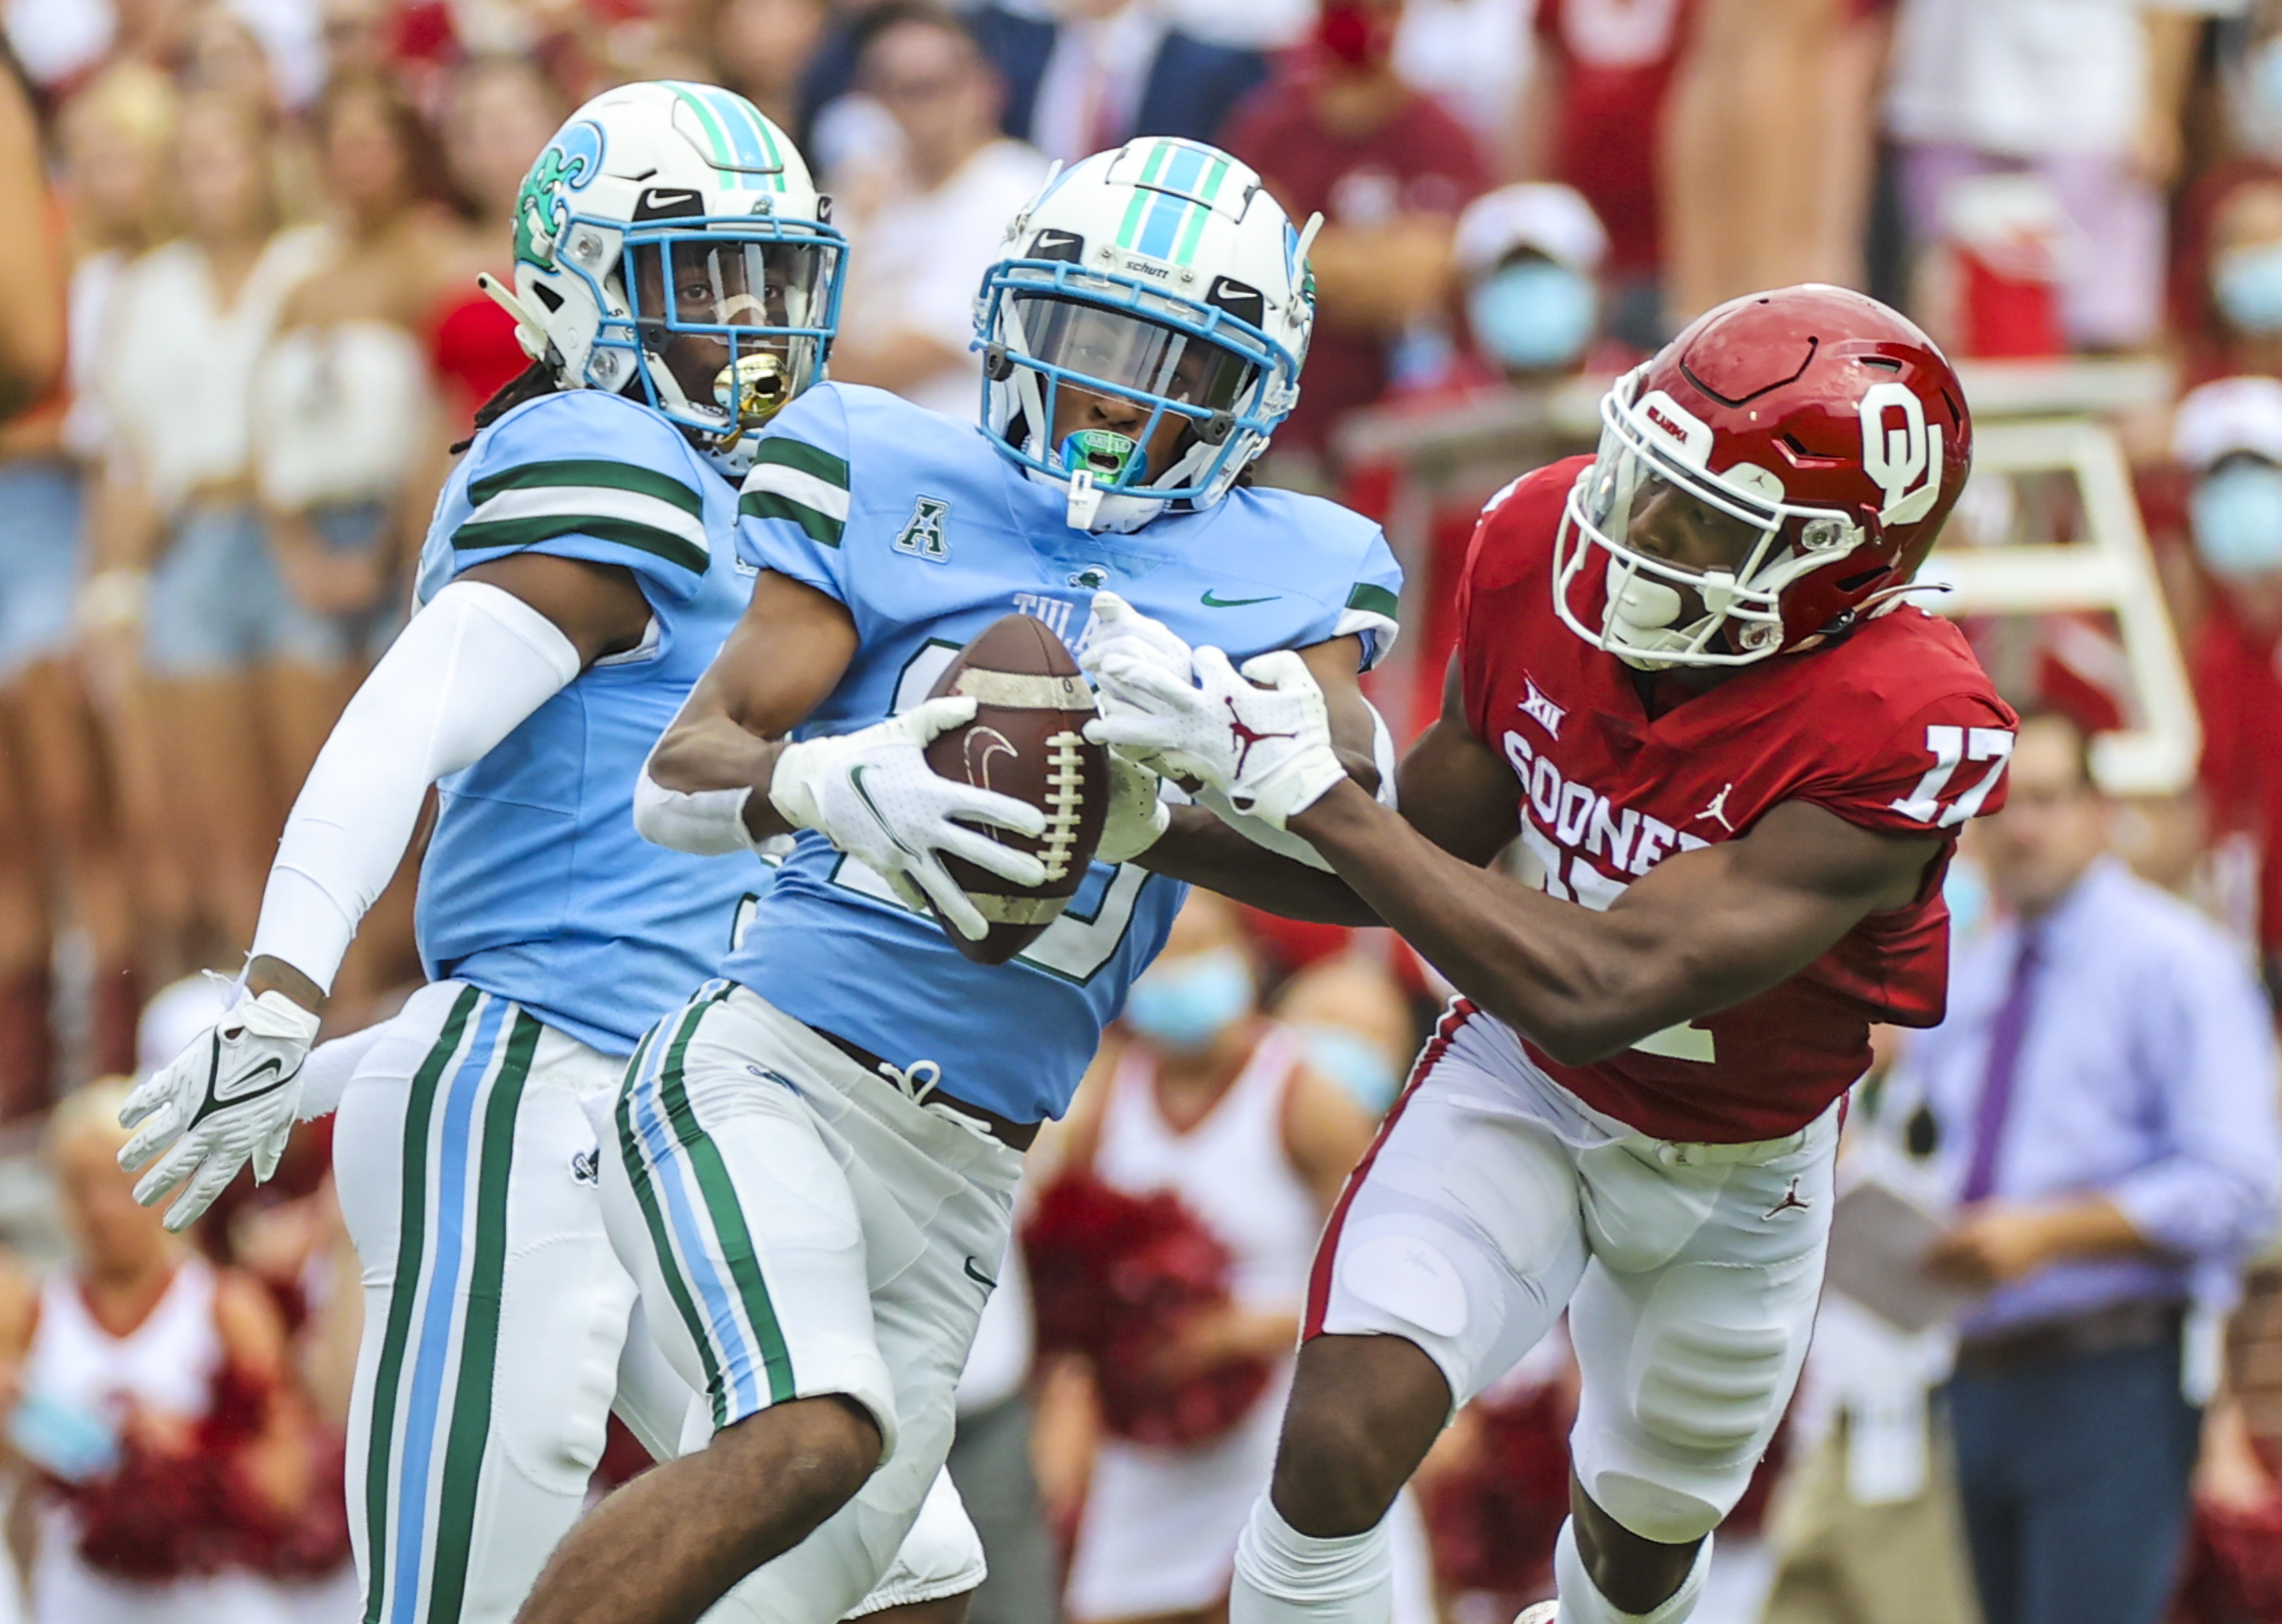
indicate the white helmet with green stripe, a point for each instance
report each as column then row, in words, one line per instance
column 670, row 244
column 1143, row 329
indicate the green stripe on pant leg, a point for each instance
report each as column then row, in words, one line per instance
column 727, row 1217
column 661, row 1242
column 412, row 1243
column 479, row 1336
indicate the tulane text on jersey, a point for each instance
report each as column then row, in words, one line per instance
column 928, row 534
column 536, row 886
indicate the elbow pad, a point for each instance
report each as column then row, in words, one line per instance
column 467, row 671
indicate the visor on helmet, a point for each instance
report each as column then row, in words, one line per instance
column 727, row 326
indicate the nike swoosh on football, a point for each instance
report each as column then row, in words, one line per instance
column 979, row 1278
column 1210, row 602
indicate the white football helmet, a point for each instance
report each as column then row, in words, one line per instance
column 670, row 236
column 1161, row 274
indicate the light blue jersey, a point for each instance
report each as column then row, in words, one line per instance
column 536, row 886
column 928, row 534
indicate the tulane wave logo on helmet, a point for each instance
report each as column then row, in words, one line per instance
column 542, row 209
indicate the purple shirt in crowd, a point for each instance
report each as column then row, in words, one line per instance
column 2146, row 1071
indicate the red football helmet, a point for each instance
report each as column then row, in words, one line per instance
column 1822, row 422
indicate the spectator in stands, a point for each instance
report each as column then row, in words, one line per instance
column 341, row 402
column 67, row 855
column 919, row 239
column 219, row 629
column 39, row 521
column 1355, row 1024
column 763, row 47
column 1201, row 1098
column 2229, row 432
column 1532, row 256
column 2085, row 94
column 1092, row 74
column 1340, row 132
column 1476, row 57
column 2103, row 1098
column 2234, row 320
column 1778, row 94
column 498, row 111
column 1593, row 117
column 168, row 1435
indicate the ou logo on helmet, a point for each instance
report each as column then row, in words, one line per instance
column 1903, row 458
column 570, row 163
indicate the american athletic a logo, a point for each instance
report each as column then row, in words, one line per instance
column 921, row 535
column 1717, row 810
column 1543, row 711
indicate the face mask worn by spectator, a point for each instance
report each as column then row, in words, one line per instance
column 2236, row 517
column 1183, row 1006
column 1532, row 316
column 1362, row 37
column 2248, row 286
column 1357, row 1064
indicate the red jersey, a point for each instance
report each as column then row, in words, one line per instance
column 1895, row 727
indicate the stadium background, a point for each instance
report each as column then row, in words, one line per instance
column 239, row 329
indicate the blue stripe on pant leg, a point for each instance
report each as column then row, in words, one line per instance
column 438, row 1308
column 735, row 1353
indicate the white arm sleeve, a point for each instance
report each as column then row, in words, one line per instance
column 467, row 669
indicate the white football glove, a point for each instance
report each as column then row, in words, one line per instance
column 226, row 1100
column 1137, row 815
column 1121, row 632
column 1267, row 748
column 871, row 793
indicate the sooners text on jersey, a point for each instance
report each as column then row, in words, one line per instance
column 1895, row 728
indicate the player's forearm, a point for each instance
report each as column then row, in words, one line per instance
column 713, row 770
column 1567, row 977
column 1199, row 848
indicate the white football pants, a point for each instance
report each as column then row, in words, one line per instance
column 496, row 1318
column 799, row 1227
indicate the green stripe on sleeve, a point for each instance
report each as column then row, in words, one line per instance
column 412, row 1243
column 1374, row 601
column 637, row 1175
column 720, row 1196
column 486, row 534
column 823, row 529
column 805, row 457
column 479, row 1335
column 593, row 472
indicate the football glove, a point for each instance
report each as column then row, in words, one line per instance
column 1263, row 737
column 1122, row 633
column 1136, row 818
column 871, row 793
column 228, row 1098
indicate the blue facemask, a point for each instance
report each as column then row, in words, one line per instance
column 2248, row 286
column 2236, row 517
column 1533, row 315
column 1357, row 1066
column 1189, row 1002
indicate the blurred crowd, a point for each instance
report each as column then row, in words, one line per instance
column 239, row 334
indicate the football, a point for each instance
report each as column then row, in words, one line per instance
column 1025, row 741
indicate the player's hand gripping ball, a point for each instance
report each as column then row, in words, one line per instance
column 1027, row 741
